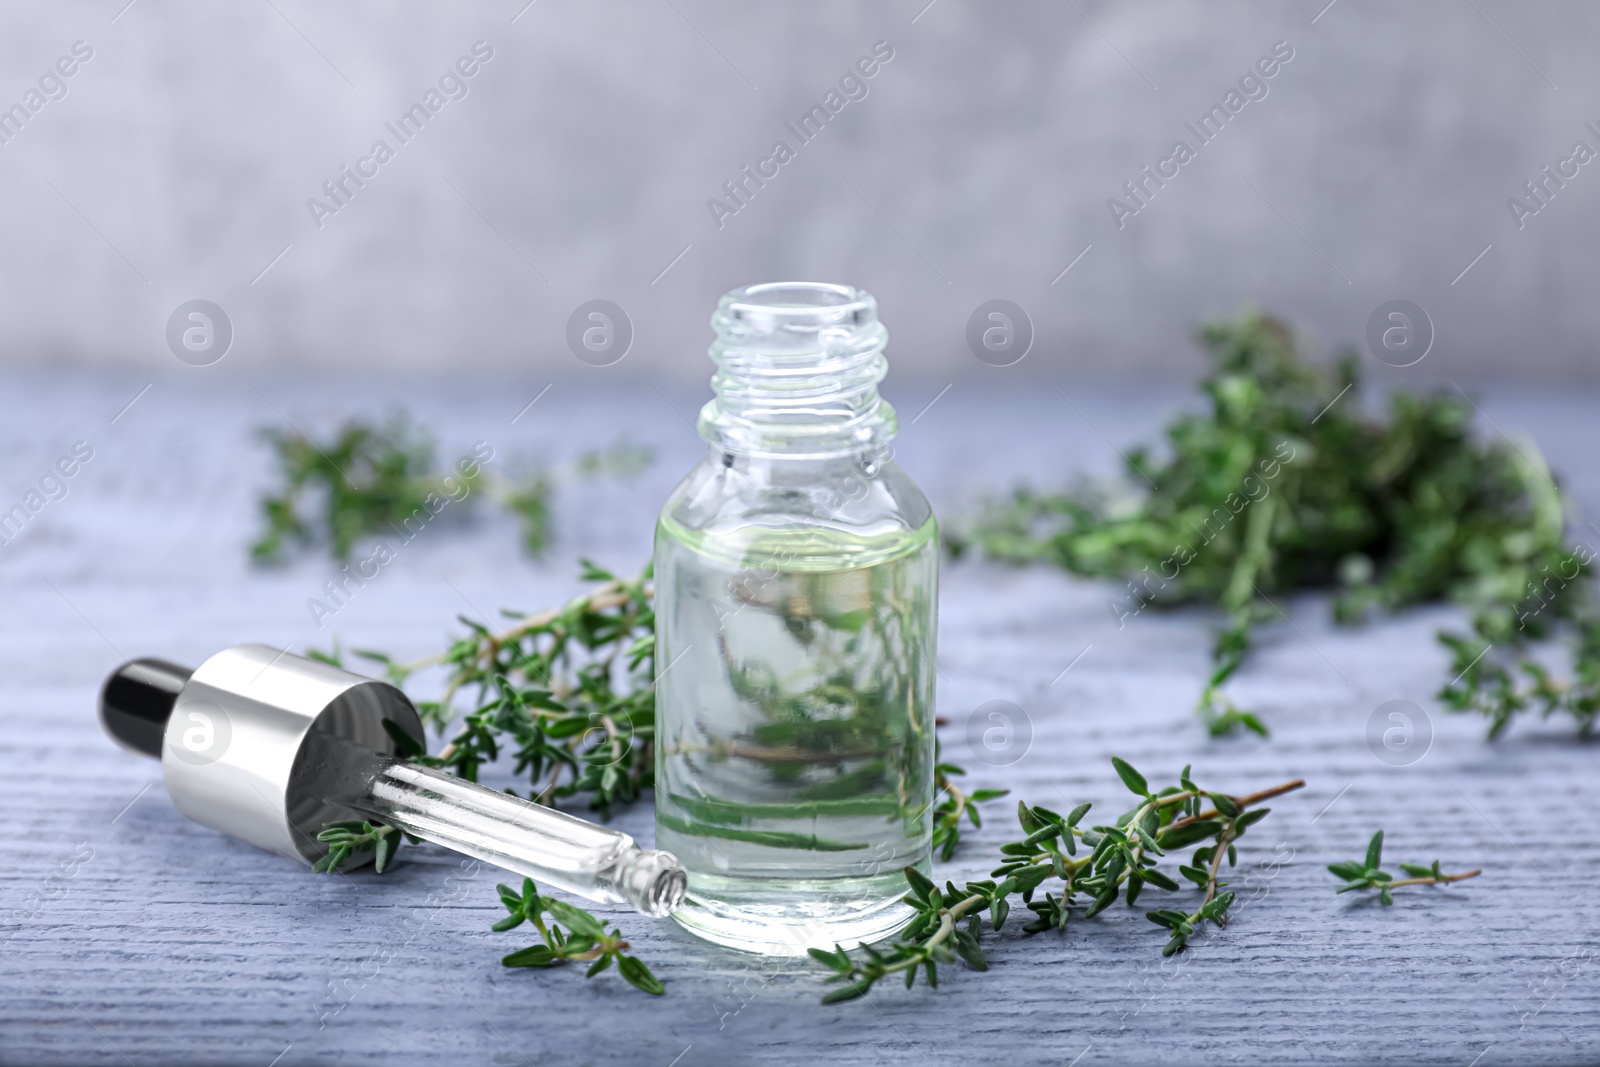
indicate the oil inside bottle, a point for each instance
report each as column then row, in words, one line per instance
column 795, row 776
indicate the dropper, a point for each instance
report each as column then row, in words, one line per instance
column 269, row 747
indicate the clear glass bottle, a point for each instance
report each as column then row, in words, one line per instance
column 796, row 573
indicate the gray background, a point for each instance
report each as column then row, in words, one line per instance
column 578, row 167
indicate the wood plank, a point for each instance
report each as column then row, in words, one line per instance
column 133, row 936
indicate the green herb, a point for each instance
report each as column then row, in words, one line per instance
column 1366, row 875
column 1119, row 859
column 846, row 735
column 1497, row 675
column 531, row 501
column 365, row 479
column 582, row 940
column 381, row 479
column 569, row 693
column 952, row 804
column 357, row 836
column 1284, row 485
column 530, row 498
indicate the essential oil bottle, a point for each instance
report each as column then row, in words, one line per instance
column 796, row 574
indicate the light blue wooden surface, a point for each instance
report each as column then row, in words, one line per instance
column 130, row 936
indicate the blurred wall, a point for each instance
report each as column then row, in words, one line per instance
column 978, row 161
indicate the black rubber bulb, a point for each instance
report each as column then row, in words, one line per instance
column 137, row 700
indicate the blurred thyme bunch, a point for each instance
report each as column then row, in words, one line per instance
column 1120, row 859
column 1283, row 485
column 1499, row 672
column 375, row 479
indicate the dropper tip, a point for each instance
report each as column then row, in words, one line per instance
column 655, row 883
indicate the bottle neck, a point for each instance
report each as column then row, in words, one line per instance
column 798, row 366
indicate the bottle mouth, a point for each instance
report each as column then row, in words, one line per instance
column 798, row 366
column 798, row 308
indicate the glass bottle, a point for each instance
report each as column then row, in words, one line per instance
column 796, row 573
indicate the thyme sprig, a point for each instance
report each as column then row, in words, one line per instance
column 1121, row 859
column 569, row 693
column 1368, row 875
column 952, row 804
column 1285, row 485
column 1501, row 679
column 571, row 935
column 358, row 836
column 380, row 479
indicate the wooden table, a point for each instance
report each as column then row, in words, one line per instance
column 132, row 936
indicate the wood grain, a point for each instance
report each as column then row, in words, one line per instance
column 131, row 936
